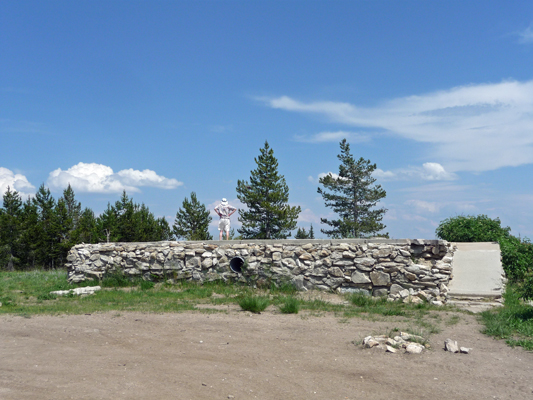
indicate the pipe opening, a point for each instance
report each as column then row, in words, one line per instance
column 236, row 264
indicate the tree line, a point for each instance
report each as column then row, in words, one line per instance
column 40, row 231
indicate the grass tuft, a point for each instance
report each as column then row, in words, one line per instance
column 290, row 305
column 255, row 304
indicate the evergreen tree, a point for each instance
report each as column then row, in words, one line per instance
column 30, row 234
column 163, row 231
column 107, row 225
column 47, row 249
column 10, row 230
column 86, row 230
column 301, row 234
column 127, row 221
column 192, row 221
column 352, row 196
column 311, row 234
column 125, row 211
column 266, row 195
column 63, row 229
column 73, row 208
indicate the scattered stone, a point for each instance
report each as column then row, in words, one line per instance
column 384, row 342
column 399, row 340
column 451, row 346
column 370, row 342
column 464, row 350
column 390, row 349
column 414, row 348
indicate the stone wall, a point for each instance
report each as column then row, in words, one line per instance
column 412, row 270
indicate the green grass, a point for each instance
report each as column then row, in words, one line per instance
column 289, row 305
column 28, row 293
column 255, row 304
column 512, row 322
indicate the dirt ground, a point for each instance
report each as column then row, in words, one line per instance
column 246, row 356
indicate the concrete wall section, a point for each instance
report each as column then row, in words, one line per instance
column 412, row 270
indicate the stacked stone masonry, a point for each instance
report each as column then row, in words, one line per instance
column 408, row 270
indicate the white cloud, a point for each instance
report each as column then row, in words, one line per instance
column 98, row 178
column 322, row 137
column 471, row 128
column 526, row 36
column 427, row 172
column 16, row 182
column 421, row 205
column 307, row 215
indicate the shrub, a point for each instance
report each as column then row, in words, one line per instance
column 469, row 228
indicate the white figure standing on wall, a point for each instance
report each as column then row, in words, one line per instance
column 224, row 211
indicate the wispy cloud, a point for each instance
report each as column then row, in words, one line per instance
column 526, row 36
column 469, row 128
column 16, row 182
column 427, row 172
column 10, row 126
column 321, row 137
column 98, row 178
column 427, row 206
column 307, row 215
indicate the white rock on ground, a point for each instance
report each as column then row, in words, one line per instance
column 77, row 291
column 451, row 346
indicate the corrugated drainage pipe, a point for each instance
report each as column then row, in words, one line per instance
column 236, row 264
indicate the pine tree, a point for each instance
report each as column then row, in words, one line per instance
column 86, row 231
column 107, row 225
column 47, row 249
column 63, row 227
column 301, row 234
column 72, row 205
column 266, row 195
column 192, row 221
column 352, row 196
column 10, row 229
column 30, row 234
column 127, row 221
column 311, row 234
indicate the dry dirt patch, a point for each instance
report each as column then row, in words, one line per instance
column 245, row 356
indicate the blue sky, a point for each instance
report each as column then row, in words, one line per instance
column 162, row 98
